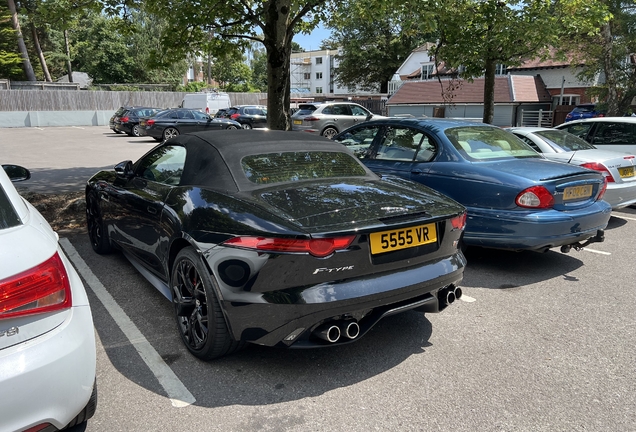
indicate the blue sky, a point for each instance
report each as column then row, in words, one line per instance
column 312, row 41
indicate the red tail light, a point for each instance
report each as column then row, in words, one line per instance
column 150, row 122
column 459, row 222
column 235, row 116
column 319, row 247
column 43, row 288
column 602, row 191
column 311, row 119
column 601, row 168
column 535, row 197
column 124, row 119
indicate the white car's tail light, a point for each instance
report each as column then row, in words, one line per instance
column 43, row 288
column 601, row 168
column 535, row 197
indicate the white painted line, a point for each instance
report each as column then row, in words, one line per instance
column 177, row 392
column 77, row 127
column 596, row 251
column 467, row 299
column 625, row 217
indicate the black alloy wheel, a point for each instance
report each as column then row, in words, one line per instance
column 135, row 130
column 199, row 317
column 97, row 233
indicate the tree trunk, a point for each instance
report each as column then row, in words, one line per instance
column 277, row 38
column 610, row 75
column 26, row 63
column 489, row 91
column 69, row 69
column 38, row 49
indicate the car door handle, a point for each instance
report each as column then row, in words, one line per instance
column 151, row 210
column 417, row 171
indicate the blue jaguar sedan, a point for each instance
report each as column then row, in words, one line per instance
column 516, row 199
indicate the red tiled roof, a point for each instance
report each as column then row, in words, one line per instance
column 508, row 89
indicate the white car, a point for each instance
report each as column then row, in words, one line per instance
column 47, row 339
column 559, row 145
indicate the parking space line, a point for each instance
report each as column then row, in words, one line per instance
column 626, row 217
column 177, row 392
column 596, row 251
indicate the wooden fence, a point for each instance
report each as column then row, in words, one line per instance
column 86, row 100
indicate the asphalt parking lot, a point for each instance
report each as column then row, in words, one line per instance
column 539, row 342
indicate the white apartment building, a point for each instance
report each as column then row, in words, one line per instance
column 312, row 74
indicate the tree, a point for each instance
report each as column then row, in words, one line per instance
column 372, row 46
column 259, row 69
column 26, row 62
column 610, row 52
column 10, row 59
column 273, row 22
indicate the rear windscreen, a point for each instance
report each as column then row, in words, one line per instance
column 297, row 166
column 8, row 216
column 305, row 110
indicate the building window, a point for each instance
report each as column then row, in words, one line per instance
column 318, row 89
column 427, row 71
column 307, row 76
column 500, row 69
column 318, row 75
column 318, row 60
column 567, row 100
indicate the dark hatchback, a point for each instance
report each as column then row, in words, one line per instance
column 516, row 199
column 276, row 238
column 173, row 122
column 128, row 121
column 249, row 116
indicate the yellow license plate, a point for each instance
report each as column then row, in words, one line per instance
column 626, row 172
column 298, row 122
column 387, row 241
column 576, row 192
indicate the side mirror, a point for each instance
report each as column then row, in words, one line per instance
column 16, row 173
column 124, row 169
column 369, row 117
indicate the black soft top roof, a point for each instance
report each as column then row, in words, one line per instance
column 214, row 157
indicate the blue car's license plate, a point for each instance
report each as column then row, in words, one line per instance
column 577, row 192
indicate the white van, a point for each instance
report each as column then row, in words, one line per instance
column 209, row 102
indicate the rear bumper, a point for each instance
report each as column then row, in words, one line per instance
column 620, row 195
column 366, row 300
column 534, row 230
column 60, row 364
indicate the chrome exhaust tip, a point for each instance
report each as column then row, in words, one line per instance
column 458, row 293
column 351, row 330
column 450, row 296
column 330, row 333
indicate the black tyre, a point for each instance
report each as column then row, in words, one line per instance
column 329, row 132
column 88, row 411
column 231, row 127
column 97, row 232
column 135, row 130
column 247, row 126
column 199, row 317
column 170, row 133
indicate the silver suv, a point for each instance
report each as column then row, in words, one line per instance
column 329, row 118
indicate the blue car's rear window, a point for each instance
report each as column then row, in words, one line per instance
column 480, row 143
column 297, row 166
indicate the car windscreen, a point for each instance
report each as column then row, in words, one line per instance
column 8, row 217
column 304, row 110
column 287, row 167
column 480, row 143
column 584, row 108
column 564, row 140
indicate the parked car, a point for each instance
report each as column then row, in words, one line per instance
column 608, row 133
column 249, row 116
column 222, row 113
column 47, row 338
column 276, row 238
column 583, row 111
column 128, row 121
column 329, row 118
column 172, row 122
column 111, row 122
column 515, row 198
column 562, row 146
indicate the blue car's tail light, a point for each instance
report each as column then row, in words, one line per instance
column 535, row 197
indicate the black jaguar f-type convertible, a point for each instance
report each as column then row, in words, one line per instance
column 276, row 238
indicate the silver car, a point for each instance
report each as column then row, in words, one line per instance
column 329, row 118
column 618, row 168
